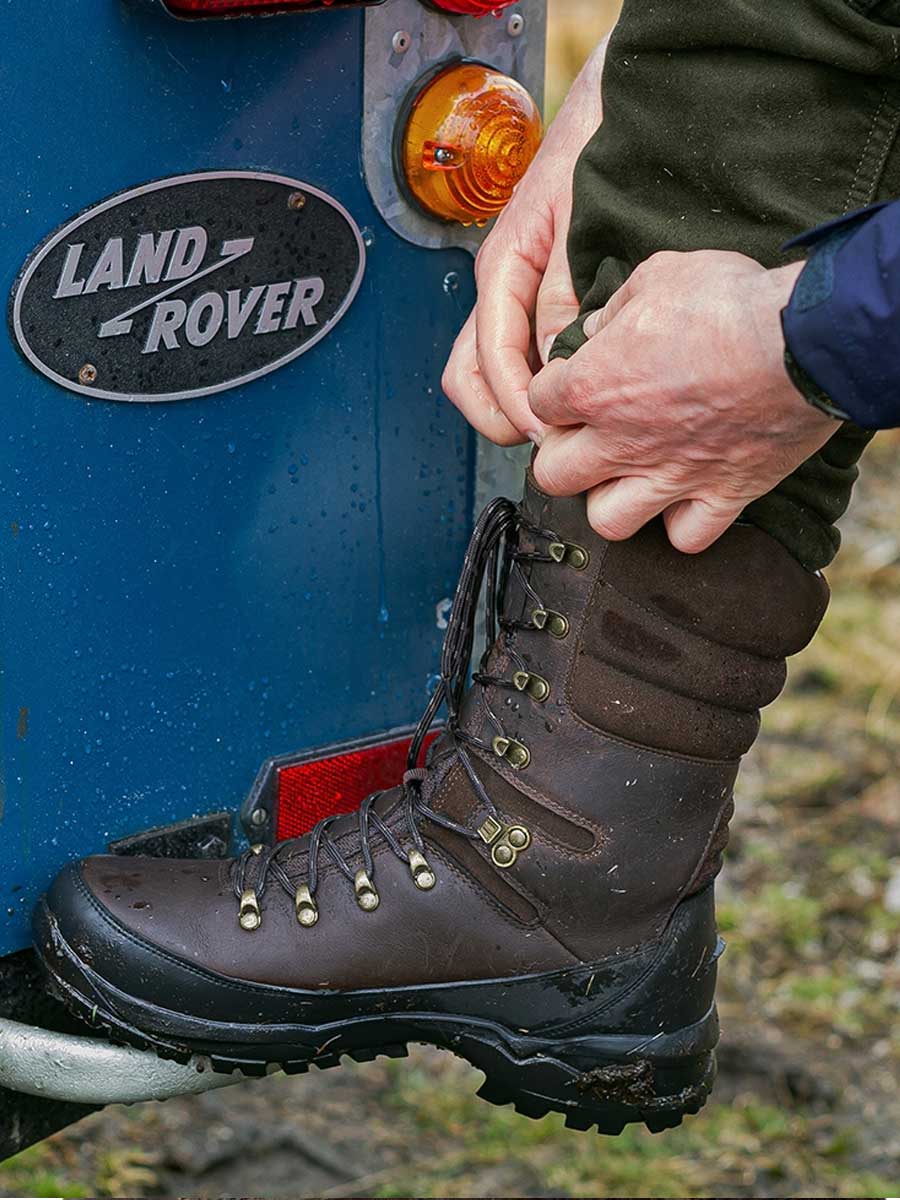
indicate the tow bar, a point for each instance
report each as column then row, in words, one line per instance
column 84, row 1070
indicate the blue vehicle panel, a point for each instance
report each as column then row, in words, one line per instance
column 188, row 588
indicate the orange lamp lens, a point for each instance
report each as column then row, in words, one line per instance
column 470, row 138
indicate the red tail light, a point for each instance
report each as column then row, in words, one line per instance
column 473, row 8
column 308, row 791
column 239, row 8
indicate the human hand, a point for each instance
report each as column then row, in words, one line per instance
column 525, row 295
column 679, row 403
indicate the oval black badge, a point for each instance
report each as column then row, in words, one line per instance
column 187, row 286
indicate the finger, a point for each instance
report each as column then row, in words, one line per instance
column 570, row 461
column 618, row 509
column 508, row 290
column 693, row 525
column 557, row 305
column 550, row 397
column 465, row 387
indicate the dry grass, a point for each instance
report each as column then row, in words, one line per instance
column 575, row 27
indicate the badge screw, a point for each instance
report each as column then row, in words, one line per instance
column 401, row 41
column 296, row 201
column 516, row 25
column 87, row 374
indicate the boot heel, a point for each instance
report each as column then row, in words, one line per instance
column 593, row 1086
column 643, row 1051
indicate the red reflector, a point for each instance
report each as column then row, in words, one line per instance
column 310, row 791
column 473, row 8
column 236, row 8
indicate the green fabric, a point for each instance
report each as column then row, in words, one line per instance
column 737, row 124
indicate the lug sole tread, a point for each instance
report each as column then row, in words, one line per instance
column 525, row 1104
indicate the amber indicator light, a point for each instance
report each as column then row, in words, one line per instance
column 470, row 137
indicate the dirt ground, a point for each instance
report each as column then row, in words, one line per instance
column 807, row 1101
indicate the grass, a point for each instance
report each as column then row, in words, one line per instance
column 38, row 1172
column 746, row 1148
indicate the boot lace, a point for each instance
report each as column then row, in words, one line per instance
column 492, row 558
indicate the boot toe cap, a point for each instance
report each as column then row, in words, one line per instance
column 130, row 921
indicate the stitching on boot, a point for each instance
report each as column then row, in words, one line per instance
column 443, row 855
column 509, row 881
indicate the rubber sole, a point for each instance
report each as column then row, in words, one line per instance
column 598, row 1081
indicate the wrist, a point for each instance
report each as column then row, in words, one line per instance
column 581, row 113
column 590, row 78
column 772, row 294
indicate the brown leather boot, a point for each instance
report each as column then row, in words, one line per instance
column 539, row 897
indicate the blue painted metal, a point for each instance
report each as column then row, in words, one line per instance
column 189, row 588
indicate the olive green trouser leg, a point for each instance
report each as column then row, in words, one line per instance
column 736, row 125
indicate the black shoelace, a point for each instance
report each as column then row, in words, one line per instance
column 490, row 559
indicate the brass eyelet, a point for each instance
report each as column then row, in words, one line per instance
column 570, row 553
column 534, row 686
column 507, row 842
column 366, row 895
column 555, row 623
column 423, row 876
column 515, row 753
column 306, row 908
column 249, row 917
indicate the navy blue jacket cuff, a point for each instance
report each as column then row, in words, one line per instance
column 842, row 324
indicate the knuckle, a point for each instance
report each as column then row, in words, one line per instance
column 612, row 528
column 547, row 476
column 722, row 507
column 661, row 261
column 537, row 401
column 579, row 394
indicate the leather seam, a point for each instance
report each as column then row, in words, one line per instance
column 685, row 893
column 470, row 881
column 544, row 801
column 662, row 943
column 516, row 885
